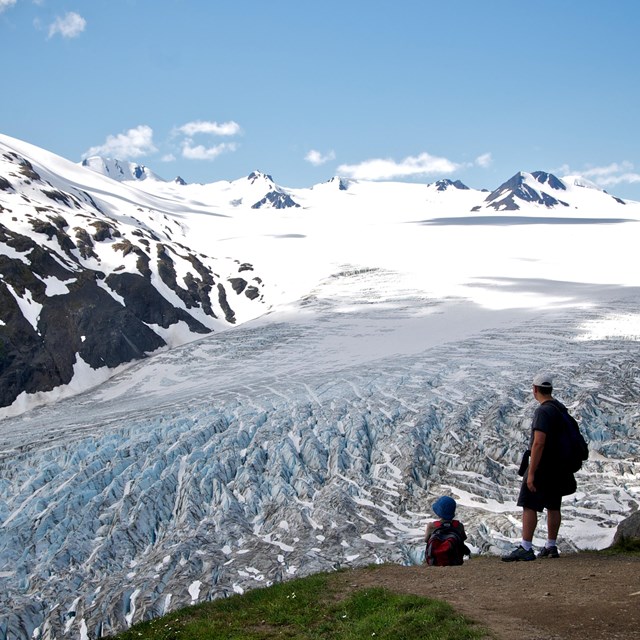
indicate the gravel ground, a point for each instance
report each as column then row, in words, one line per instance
column 576, row 596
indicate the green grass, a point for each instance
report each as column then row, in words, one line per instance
column 625, row 546
column 309, row 609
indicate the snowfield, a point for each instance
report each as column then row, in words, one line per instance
column 394, row 365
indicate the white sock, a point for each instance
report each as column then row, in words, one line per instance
column 526, row 545
column 550, row 543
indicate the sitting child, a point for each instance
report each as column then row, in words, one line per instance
column 445, row 537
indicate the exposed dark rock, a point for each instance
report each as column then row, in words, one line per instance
column 146, row 303
column 256, row 175
column 203, row 272
column 343, row 183
column 200, row 291
column 196, row 291
column 25, row 364
column 94, row 325
column 59, row 221
column 58, row 196
column 252, row 292
column 26, row 169
column 5, row 185
column 43, row 226
column 139, row 172
column 49, row 229
column 87, row 320
column 104, row 231
column 277, row 199
column 238, row 284
column 443, row 185
column 142, row 263
column 40, row 258
column 21, row 278
column 229, row 314
column 91, row 201
column 548, row 178
column 84, row 243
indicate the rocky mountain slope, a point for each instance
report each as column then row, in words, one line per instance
column 84, row 286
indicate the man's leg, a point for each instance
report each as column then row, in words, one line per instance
column 525, row 550
column 553, row 526
column 529, row 524
column 527, row 501
column 554, row 518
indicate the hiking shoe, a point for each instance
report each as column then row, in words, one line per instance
column 549, row 552
column 519, row 554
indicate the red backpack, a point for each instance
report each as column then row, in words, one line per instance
column 446, row 545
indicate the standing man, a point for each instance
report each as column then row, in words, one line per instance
column 544, row 482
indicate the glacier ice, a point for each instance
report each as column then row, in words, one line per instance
column 235, row 461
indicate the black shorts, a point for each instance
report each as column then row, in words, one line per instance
column 540, row 500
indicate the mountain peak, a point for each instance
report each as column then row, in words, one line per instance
column 341, row 183
column 445, row 183
column 549, row 179
column 119, row 169
column 259, row 175
column 526, row 187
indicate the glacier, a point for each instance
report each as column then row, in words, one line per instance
column 293, row 444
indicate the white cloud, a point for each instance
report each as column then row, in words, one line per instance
column 316, row 158
column 70, row 26
column 230, row 128
column 609, row 170
column 200, row 152
column 609, row 175
column 5, row 4
column 193, row 151
column 131, row 144
column 623, row 178
column 386, row 169
column 484, row 160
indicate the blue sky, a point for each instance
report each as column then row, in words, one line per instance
column 396, row 90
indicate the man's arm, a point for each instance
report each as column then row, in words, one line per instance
column 539, row 438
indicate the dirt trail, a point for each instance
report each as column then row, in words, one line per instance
column 573, row 597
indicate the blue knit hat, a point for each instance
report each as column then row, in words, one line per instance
column 445, row 508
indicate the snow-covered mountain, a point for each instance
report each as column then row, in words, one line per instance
column 387, row 360
column 119, row 170
column 547, row 190
column 90, row 283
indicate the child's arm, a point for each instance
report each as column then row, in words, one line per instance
column 431, row 527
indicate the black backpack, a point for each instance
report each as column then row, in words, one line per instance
column 446, row 545
column 572, row 447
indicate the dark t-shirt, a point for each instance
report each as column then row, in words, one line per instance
column 548, row 419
